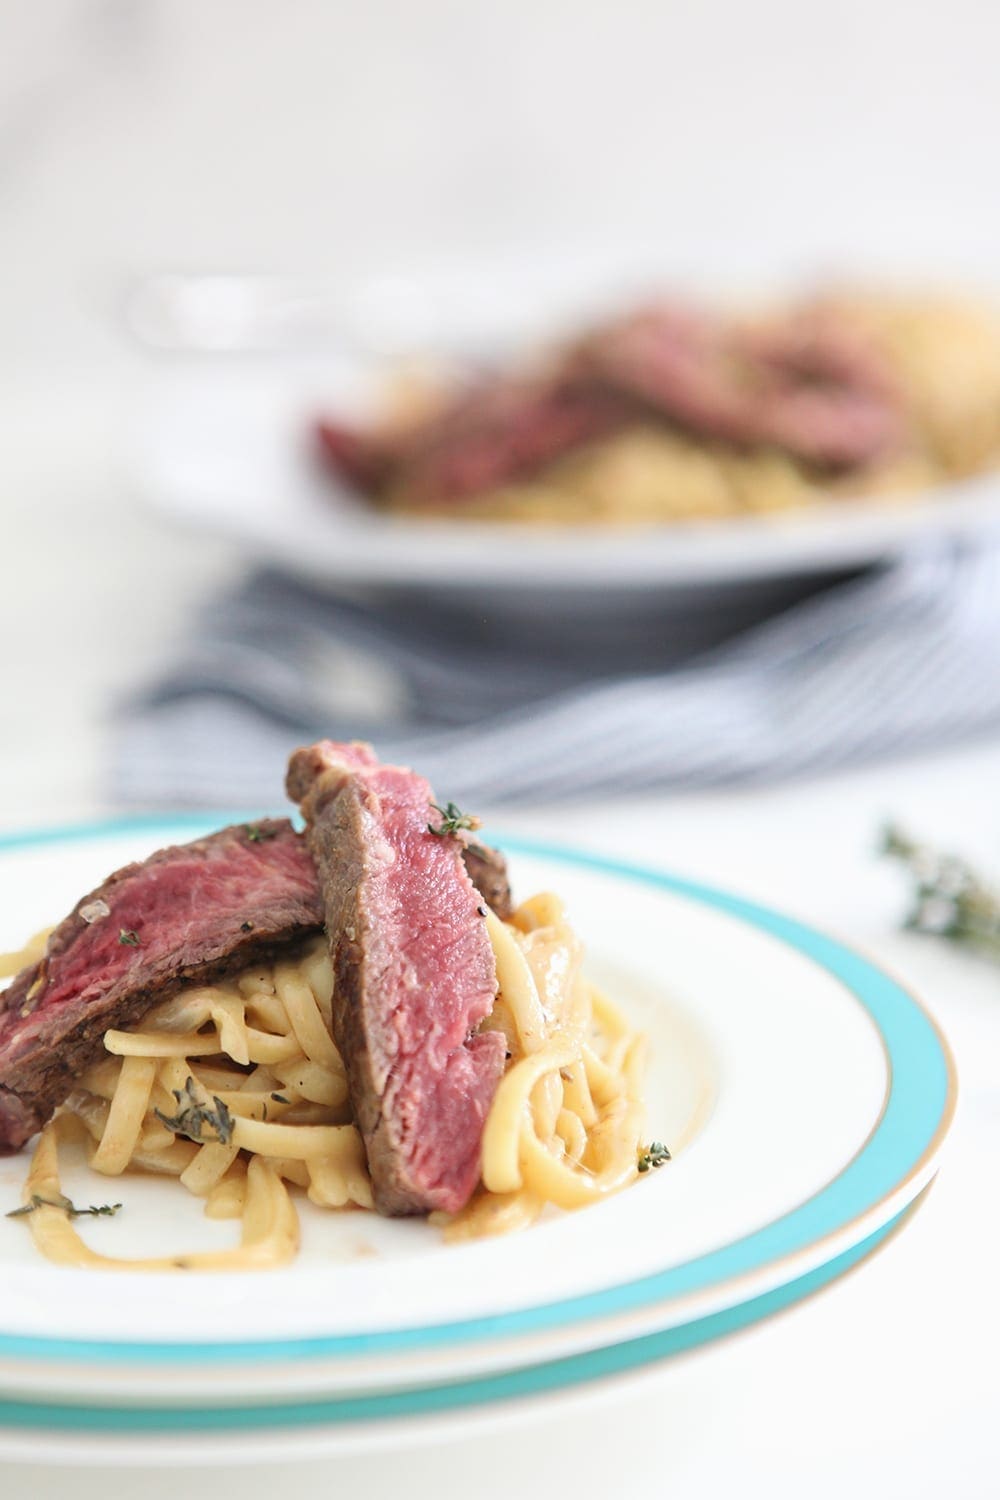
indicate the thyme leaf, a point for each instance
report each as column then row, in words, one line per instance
column 453, row 820
column 128, row 938
column 106, row 1210
column 192, row 1116
column 653, row 1155
column 256, row 834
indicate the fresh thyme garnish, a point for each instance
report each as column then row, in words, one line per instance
column 105, row 1210
column 950, row 900
column 256, row 834
column 192, row 1116
column 453, row 820
column 128, row 938
column 653, row 1155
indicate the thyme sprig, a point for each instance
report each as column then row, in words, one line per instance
column 950, row 899
column 453, row 820
column 193, row 1115
column 653, row 1155
column 38, row 1200
column 128, row 938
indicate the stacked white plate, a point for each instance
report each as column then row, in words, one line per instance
column 804, row 1095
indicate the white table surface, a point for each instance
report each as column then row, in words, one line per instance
column 885, row 1384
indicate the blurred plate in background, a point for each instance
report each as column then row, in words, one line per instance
column 224, row 447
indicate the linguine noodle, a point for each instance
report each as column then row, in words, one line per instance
column 250, row 1069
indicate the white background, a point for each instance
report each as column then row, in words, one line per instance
column 730, row 140
column 726, row 142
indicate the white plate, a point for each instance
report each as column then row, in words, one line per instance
column 805, row 1094
column 229, row 453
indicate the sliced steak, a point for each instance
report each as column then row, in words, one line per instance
column 804, row 384
column 826, row 394
column 504, row 431
column 193, row 912
column 500, row 431
column 414, row 974
column 677, row 365
column 488, row 872
column 362, row 459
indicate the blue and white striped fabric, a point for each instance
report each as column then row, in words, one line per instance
column 520, row 708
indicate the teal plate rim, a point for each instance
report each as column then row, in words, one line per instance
column 918, row 1110
column 569, row 1373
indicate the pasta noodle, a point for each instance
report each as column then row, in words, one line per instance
column 239, row 1091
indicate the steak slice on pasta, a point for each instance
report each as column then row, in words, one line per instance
column 414, row 974
column 190, row 913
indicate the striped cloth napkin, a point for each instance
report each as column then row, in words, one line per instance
column 524, row 707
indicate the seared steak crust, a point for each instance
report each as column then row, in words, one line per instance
column 189, row 913
column 488, row 872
